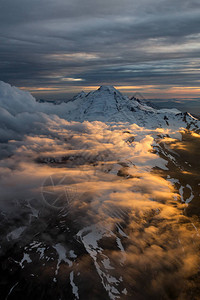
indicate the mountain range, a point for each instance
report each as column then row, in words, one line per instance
column 107, row 104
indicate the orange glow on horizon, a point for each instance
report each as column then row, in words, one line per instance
column 150, row 90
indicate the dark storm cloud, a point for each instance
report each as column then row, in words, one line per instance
column 47, row 43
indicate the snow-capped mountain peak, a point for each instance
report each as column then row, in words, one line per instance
column 107, row 104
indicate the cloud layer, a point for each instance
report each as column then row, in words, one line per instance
column 59, row 47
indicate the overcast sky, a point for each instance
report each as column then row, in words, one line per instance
column 61, row 47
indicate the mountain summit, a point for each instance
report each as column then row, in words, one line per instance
column 107, row 104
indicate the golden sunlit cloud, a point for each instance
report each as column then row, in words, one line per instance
column 113, row 191
column 195, row 134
